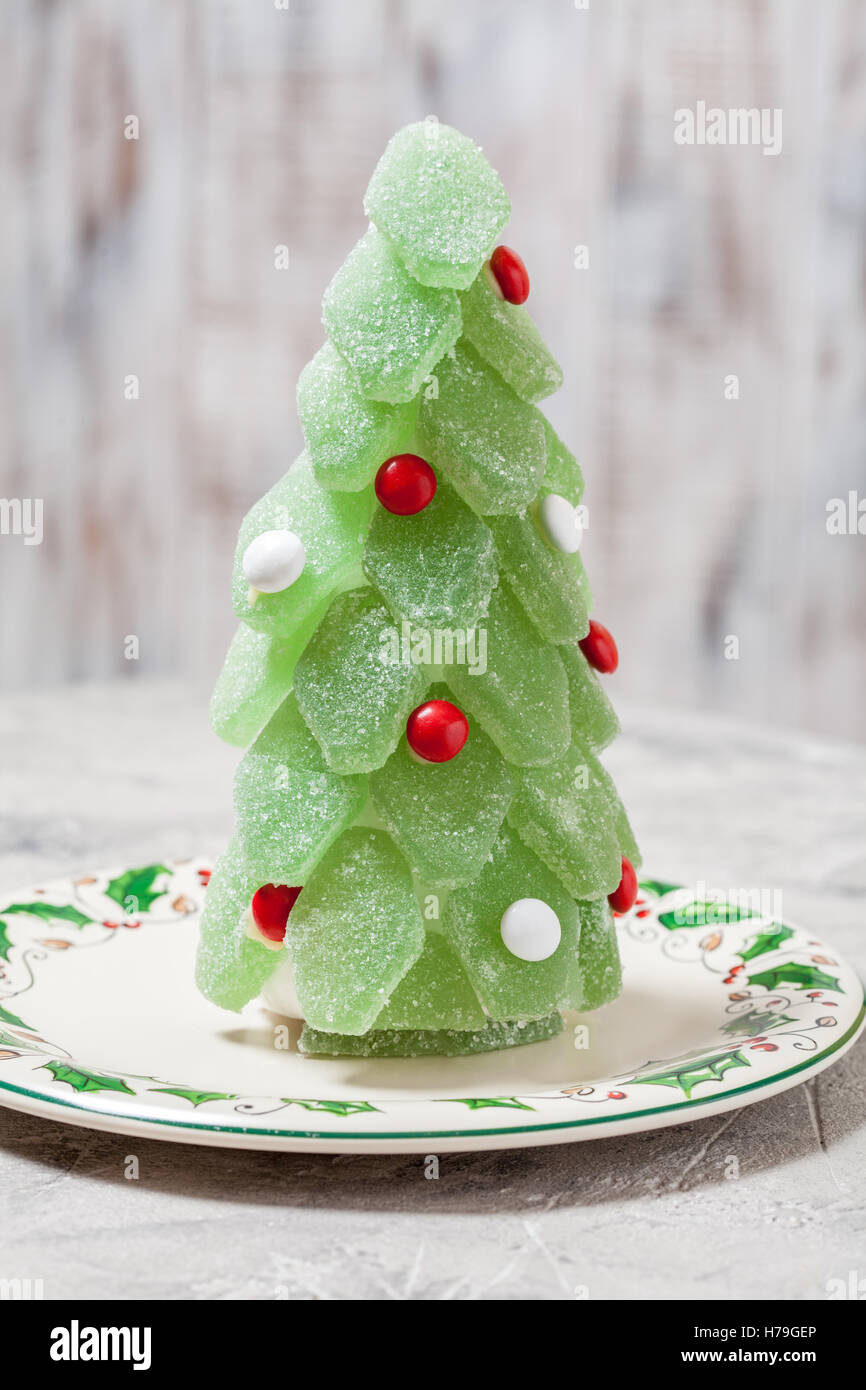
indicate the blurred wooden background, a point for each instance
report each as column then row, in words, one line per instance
column 259, row 127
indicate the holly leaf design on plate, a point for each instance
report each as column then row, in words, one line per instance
column 81, row 1080
column 488, row 1102
column 756, row 1021
column 50, row 912
column 694, row 1072
column 5, row 943
column 7, row 1017
column 703, row 914
column 766, row 941
column 334, row 1107
column 137, row 885
column 657, row 888
column 194, row 1097
column 797, row 973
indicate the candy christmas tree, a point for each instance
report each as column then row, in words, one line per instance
column 428, row 855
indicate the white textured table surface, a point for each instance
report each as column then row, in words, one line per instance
column 100, row 776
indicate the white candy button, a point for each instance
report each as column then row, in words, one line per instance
column 530, row 929
column 273, row 561
column 561, row 523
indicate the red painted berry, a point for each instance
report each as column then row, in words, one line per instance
column 405, row 484
column 510, row 274
column 437, row 730
column 623, row 896
column 271, row 906
column 599, row 648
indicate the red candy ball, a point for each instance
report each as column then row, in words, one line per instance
column 599, row 648
column 623, row 897
column 511, row 275
column 437, row 730
column 271, row 906
column 405, row 484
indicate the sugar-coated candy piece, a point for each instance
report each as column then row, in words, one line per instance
column 594, row 722
column 625, row 835
column 563, row 812
column 435, row 993
column 393, row 1042
column 347, row 436
column 231, row 968
column 599, row 955
column 289, row 805
column 562, row 471
column 510, row 988
column 438, row 201
column 521, row 699
column 486, row 441
column 507, row 338
column 332, row 527
column 255, row 678
column 545, row 580
column 445, row 816
column 391, row 330
column 354, row 690
column 436, row 568
column 354, row 932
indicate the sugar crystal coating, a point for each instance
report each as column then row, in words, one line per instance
column 507, row 987
column 627, row 843
column 435, row 994
column 347, row 436
column 231, row 968
column 506, row 337
column 391, row 330
column 545, row 580
column 444, row 816
column 353, row 695
column 562, row 471
column 599, row 955
column 354, row 932
column 436, row 568
column 438, row 201
column 289, row 805
column 393, row 1042
column 594, row 721
column 255, row 678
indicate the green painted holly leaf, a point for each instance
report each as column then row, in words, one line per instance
column 766, row 941
column 5, row 943
column 50, row 912
column 797, row 973
column 194, row 1097
column 334, row 1107
column 694, row 1072
column 7, row 1017
column 489, row 1102
column 81, row 1080
column 703, row 915
column 137, row 885
column 657, row 888
column 756, row 1021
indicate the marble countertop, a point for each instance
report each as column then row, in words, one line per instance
column 105, row 775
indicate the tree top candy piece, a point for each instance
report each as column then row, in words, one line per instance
column 622, row 899
column 273, row 560
column 405, row 484
column 530, row 929
column 600, row 649
column 390, row 329
column 437, row 730
column 510, row 274
column 438, row 201
column 560, row 523
column 270, row 909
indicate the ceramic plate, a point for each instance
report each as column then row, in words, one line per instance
column 101, row 1025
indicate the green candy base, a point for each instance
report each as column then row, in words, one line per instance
column 415, row 1042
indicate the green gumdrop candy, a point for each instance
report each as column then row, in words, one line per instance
column 563, row 813
column 392, row 1042
column 347, row 436
column 289, row 805
column 545, row 580
column 353, row 690
column 507, row 338
column 436, row 568
column 485, row 439
column 438, row 201
column 594, row 722
column 390, row 329
column 521, row 700
column 255, row 678
column 562, row 472
column 230, row 968
column 435, row 994
column 444, row 816
column 354, row 932
column 599, row 955
column 333, row 527
column 510, row 988
column 625, row 835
